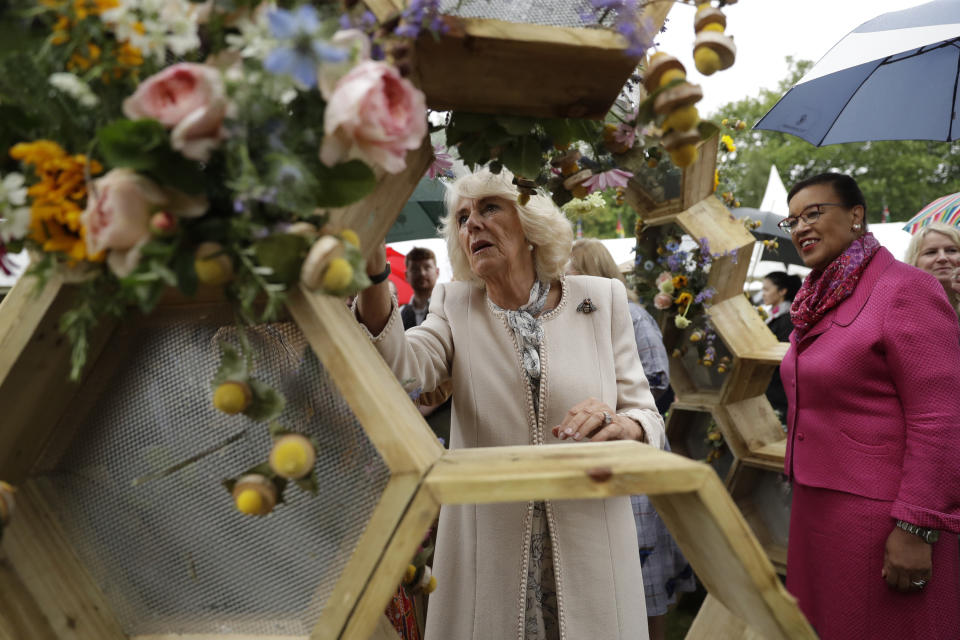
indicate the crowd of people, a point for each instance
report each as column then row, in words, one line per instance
column 537, row 340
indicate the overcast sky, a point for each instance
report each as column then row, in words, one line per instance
column 765, row 32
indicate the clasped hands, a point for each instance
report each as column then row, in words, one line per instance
column 595, row 421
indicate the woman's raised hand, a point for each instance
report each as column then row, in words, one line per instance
column 373, row 303
column 595, row 421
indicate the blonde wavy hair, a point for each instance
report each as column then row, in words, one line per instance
column 913, row 249
column 590, row 258
column 544, row 226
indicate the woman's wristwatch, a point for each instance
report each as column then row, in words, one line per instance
column 927, row 535
column 380, row 277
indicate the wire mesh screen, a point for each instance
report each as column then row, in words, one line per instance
column 557, row 13
column 172, row 554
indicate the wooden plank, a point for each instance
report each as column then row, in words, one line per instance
column 741, row 327
column 390, row 419
column 747, row 378
column 364, row 559
column 755, row 423
column 732, row 565
column 40, row 551
column 20, row 617
column 715, row 622
column 213, row 636
column 493, row 66
column 34, row 368
column 367, row 615
column 384, row 630
column 698, row 177
column 384, row 9
column 560, row 471
column 372, row 217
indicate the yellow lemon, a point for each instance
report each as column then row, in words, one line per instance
column 707, row 60
column 349, row 235
column 292, row 456
column 713, row 26
column 250, row 502
column 682, row 118
column 338, row 275
column 431, row 586
column 212, row 265
column 684, row 155
column 232, row 397
column 672, row 74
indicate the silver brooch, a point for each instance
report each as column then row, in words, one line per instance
column 586, row 306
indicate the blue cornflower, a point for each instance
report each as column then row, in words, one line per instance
column 648, row 265
column 303, row 51
column 672, row 246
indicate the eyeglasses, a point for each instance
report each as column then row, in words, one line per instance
column 809, row 215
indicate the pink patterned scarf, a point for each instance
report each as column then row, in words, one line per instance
column 823, row 290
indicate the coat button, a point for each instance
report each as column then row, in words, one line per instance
column 799, row 436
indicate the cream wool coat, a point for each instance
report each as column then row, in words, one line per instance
column 482, row 550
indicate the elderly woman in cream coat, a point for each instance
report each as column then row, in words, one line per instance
column 535, row 358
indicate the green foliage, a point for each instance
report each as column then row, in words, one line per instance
column 235, row 366
column 903, row 175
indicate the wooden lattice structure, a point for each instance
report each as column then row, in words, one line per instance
column 107, row 543
column 735, row 400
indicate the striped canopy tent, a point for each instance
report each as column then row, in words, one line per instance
column 894, row 77
column 945, row 209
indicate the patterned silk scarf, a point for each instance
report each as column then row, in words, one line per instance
column 527, row 328
column 823, row 290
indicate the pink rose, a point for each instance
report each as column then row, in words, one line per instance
column 188, row 98
column 119, row 208
column 330, row 73
column 664, row 277
column 662, row 301
column 375, row 115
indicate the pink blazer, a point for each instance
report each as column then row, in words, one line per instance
column 874, row 396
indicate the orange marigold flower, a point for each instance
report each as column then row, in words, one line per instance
column 679, row 281
column 129, row 55
column 683, row 299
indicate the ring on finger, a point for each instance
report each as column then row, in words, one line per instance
column 919, row 584
column 607, row 418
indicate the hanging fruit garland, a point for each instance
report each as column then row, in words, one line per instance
column 713, row 50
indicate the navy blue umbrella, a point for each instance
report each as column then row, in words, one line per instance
column 892, row 78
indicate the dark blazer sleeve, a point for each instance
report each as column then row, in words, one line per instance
column 922, row 341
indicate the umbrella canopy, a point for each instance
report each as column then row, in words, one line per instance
column 945, row 209
column 892, row 78
column 420, row 217
column 768, row 230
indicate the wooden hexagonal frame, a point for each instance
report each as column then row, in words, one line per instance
column 749, row 425
column 493, row 66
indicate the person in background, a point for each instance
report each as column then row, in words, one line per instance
column 873, row 430
column 779, row 290
column 422, row 272
column 936, row 249
column 530, row 363
column 665, row 571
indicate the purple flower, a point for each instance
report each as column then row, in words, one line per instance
column 417, row 15
column 442, row 163
column 607, row 180
column 704, row 295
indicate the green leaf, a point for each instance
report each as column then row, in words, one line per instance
column 558, row 130
column 516, row 125
column 186, row 273
column 523, row 157
column 132, row 143
column 267, row 403
column 344, row 184
column 233, row 367
column 283, row 253
column 474, row 150
column 707, row 129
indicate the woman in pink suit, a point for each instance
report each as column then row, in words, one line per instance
column 873, row 443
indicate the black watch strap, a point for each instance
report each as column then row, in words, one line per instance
column 380, row 277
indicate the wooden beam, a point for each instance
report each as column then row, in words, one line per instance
column 40, row 551
column 367, row 616
column 365, row 558
column 20, row 617
column 560, row 471
column 34, row 369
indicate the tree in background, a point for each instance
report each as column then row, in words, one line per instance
column 903, row 175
